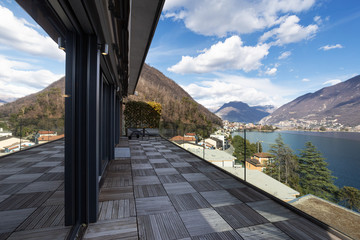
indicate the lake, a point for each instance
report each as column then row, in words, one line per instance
column 340, row 150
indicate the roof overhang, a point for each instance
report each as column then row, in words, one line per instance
column 127, row 27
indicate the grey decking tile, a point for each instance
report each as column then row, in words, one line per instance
column 173, row 178
column 178, row 188
column 9, row 220
column 203, row 221
column 195, row 177
column 166, row 171
column 41, row 186
column 240, row 215
column 247, row 194
column 272, row 211
column 162, row 226
column 204, row 186
column 229, row 183
column 144, row 180
column 228, row 235
column 152, row 190
column 188, row 201
column 262, row 232
column 220, row 198
column 153, row 205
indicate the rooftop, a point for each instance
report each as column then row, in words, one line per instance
column 161, row 191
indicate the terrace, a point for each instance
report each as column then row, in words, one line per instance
column 151, row 190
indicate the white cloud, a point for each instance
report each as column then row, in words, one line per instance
column 271, row 71
column 305, row 80
column 18, row 78
column 225, row 88
column 284, row 55
column 329, row 47
column 332, row 82
column 230, row 54
column 223, row 17
column 17, row 33
column 289, row 31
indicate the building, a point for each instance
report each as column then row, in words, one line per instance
column 9, row 143
column 181, row 139
column 216, row 157
column 259, row 161
column 223, row 138
column 263, row 157
column 4, row 133
column 44, row 139
column 217, row 143
column 47, row 133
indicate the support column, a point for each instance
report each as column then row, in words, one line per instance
column 81, row 129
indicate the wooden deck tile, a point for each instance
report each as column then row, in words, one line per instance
column 158, row 160
column 125, row 228
column 116, row 209
column 56, row 199
column 152, row 190
column 178, row 188
column 174, row 178
column 247, row 194
column 153, row 205
column 272, row 211
column 108, row 194
column 43, row 217
column 41, row 186
column 229, row 183
column 11, row 188
column 166, row 171
column 228, row 235
column 220, row 198
column 140, row 161
column 145, row 180
column 53, row 233
column 189, row 201
column 204, row 186
column 21, row 178
column 240, row 215
column 162, row 226
column 24, row 200
column 143, row 172
column 52, row 176
column 180, row 164
column 215, row 175
column 262, row 232
column 162, row 165
column 184, row 170
column 301, row 228
column 11, row 219
column 35, row 170
column 142, row 166
column 203, row 221
column 195, row 177
column 118, row 182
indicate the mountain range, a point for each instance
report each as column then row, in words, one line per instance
column 177, row 105
column 337, row 105
column 241, row 112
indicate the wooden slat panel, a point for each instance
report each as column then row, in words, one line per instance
column 112, row 229
column 240, row 215
column 247, row 194
column 188, row 201
column 262, row 232
column 220, row 198
column 162, row 226
column 153, row 190
column 228, row 235
column 153, row 205
column 174, row 178
column 204, row 186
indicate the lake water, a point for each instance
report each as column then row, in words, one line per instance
column 341, row 150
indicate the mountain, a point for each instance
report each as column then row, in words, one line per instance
column 177, row 104
column 241, row 112
column 2, row 102
column 332, row 106
column 34, row 103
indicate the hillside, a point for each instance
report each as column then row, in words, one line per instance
column 31, row 100
column 177, row 104
column 333, row 106
column 241, row 112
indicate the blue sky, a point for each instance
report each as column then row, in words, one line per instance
column 259, row 52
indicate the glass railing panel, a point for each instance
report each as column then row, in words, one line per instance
column 22, row 133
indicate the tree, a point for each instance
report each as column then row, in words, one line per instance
column 349, row 197
column 284, row 166
column 315, row 177
column 238, row 144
